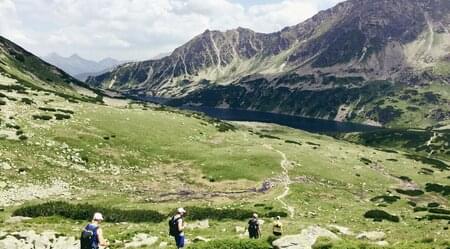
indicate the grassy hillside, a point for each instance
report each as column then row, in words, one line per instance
column 128, row 156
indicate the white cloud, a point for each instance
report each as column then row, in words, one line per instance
column 137, row 29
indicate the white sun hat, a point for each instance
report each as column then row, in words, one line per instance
column 98, row 216
column 181, row 210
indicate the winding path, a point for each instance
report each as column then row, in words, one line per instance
column 286, row 181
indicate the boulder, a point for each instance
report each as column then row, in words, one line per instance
column 32, row 240
column 201, row 224
column 382, row 243
column 141, row 240
column 342, row 230
column 16, row 219
column 372, row 236
column 305, row 240
column 5, row 166
column 240, row 229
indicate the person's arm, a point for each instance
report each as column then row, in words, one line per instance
column 180, row 225
column 101, row 239
column 259, row 229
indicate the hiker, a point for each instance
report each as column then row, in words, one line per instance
column 176, row 226
column 254, row 230
column 277, row 227
column 92, row 235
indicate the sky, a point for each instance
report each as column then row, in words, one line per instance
column 139, row 29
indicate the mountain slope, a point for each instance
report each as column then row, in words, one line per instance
column 131, row 160
column 80, row 67
column 24, row 70
column 344, row 48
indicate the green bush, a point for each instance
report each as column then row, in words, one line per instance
column 66, row 111
column 232, row 244
column 323, row 243
column 437, row 188
column 60, row 116
column 85, row 212
column 380, row 215
column 47, row 109
column 42, row 117
column 27, row 101
column 202, row 213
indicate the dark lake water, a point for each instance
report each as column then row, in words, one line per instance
column 307, row 124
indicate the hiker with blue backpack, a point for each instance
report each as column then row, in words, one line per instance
column 176, row 227
column 92, row 235
column 254, row 228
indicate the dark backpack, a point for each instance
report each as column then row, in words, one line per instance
column 253, row 226
column 173, row 226
column 88, row 237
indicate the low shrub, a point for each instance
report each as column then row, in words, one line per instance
column 410, row 192
column 42, row 117
column 385, row 198
column 235, row 244
column 85, row 212
column 202, row 213
column 269, row 136
column 47, row 109
column 365, row 161
column 437, row 188
column 23, row 137
column 60, row 116
column 292, row 142
column 27, row 101
column 380, row 215
column 66, row 111
column 324, row 243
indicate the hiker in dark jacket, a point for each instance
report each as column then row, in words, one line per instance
column 254, row 229
column 177, row 225
column 92, row 235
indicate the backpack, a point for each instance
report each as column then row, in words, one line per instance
column 173, row 226
column 88, row 237
column 253, row 226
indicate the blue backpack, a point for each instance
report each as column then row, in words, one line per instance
column 89, row 237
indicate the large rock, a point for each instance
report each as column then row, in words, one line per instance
column 16, row 219
column 141, row 240
column 372, row 236
column 201, row 224
column 32, row 240
column 305, row 240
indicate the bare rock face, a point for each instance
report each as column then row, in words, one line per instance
column 141, row 240
column 293, row 71
column 305, row 240
column 32, row 240
column 372, row 236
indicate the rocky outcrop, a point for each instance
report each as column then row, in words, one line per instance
column 141, row 240
column 305, row 240
column 311, row 69
column 372, row 236
column 32, row 240
column 18, row 194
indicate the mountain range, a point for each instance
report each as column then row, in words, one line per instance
column 358, row 61
column 81, row 68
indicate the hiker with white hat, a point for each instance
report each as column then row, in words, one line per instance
column 92, row 235
column 176, row 227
